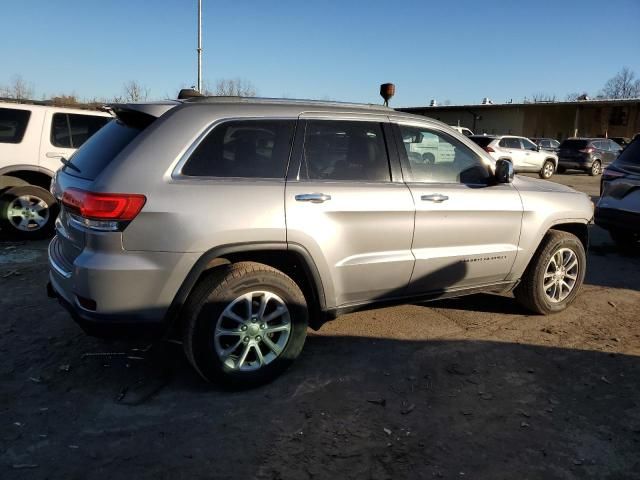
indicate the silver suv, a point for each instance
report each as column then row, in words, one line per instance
column 236, row 223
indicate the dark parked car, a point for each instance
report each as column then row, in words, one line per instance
column 548, row 144
column 587, row 154
column 618, row 209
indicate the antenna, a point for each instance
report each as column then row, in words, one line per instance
column 199, row 49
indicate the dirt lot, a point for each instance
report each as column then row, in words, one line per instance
column 466, row 388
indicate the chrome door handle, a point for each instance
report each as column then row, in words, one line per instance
column 435, row 197
column 313, row 197
column 54, row 155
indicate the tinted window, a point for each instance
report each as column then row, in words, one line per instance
column 435, row 157
column 510, row 143
column 13, row 124
column 70, row 130
column 482, row 141
column 574, row 144
column 630, row 155
column 613, row 146
column 336, row 150
column 555, row 144
column 243, row 148
column 100, row 149
column 527, row 144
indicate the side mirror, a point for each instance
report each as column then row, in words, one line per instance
column 504, row 171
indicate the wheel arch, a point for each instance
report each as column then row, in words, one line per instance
column 19, row 175
column 292, row 259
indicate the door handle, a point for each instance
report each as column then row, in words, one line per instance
column 54, row 155
column 435, row 197
column 313, row 197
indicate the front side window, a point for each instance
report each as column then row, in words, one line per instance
column 434, row 157
column 13, row 124
column 527, row 144
column 243, row 148
column 344, row 150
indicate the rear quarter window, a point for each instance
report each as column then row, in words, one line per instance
column 243, row 149
column 13, row 124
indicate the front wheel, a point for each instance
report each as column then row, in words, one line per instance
column 245, row 323
column 596, row 168
column 554, row 275
column 28, row 212
column 547, row 169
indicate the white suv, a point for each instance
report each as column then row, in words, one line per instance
column 525, row 155
column 33, row 140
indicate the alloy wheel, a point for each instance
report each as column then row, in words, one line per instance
column 252, row 331
column 28, row 213
column 561, row 275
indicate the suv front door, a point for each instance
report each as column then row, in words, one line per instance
column 344, row 206
column 467, row 227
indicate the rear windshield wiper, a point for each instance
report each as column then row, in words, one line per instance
column 67, row 163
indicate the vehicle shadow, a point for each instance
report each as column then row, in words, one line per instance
column 355, row 407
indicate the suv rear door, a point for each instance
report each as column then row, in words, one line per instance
column 347, row 206
column 467, row 227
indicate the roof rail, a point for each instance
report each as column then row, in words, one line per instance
column 282, row 101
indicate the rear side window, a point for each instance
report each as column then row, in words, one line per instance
column 510, row 143
column 574, row 144
column 13, row 124
column 243, row 148
column 344, row 150
column 70, row 130
column 630, row 155
column 97, row 152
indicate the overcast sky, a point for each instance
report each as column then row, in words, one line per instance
column 459, row 50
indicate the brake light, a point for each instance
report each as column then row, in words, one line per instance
column 610, row 174
column 489, row 149
column 103, row 211
column 587, row 150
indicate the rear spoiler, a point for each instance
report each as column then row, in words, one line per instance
column 139, row 115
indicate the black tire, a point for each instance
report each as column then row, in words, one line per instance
column 596, row 168
column 561, row 170
column 530, row 293
column 203, row 314
column 627, row 242
column 32, row 212
column 547, row 169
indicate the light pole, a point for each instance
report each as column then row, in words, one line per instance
column 199, row 49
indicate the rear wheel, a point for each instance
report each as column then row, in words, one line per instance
column 554, row 275
column 28, row 212
column 245, row 323
column 547, row 169
column 596, row 168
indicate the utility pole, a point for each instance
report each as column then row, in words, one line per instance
column 200, row 46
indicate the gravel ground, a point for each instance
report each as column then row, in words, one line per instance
column 466, row 388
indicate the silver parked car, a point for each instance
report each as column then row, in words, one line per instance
column 239, row 222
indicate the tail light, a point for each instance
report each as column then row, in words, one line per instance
column 102, row 211
column 587, row 150
column 489, row 149
column 610, row 174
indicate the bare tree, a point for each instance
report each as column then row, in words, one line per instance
column 18, row 89
column 231, row 87
column 65, row 100
column 543, row 97
column 623, row 85
column 132, row 91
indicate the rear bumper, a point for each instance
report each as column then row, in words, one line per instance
column 613, row 219
column 117, row 293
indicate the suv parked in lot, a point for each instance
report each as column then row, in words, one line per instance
column 587, row 154
column 618, row 209
column 33, row 139
column 525, row 155
column 238, row 222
